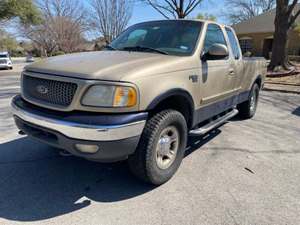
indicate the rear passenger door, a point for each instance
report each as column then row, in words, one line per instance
column 217, row 75
column 236, row 65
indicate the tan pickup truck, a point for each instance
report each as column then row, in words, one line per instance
column 142, row 97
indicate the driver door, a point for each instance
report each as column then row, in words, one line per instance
column 217, row 74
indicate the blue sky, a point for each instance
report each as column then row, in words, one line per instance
column 142, row 12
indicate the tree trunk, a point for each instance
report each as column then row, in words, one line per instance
column 279, row 56
column 180, row 10
column 284, row 20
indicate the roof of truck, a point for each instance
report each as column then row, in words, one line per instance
column 195, row 20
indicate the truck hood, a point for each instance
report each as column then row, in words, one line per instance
column 108, row 65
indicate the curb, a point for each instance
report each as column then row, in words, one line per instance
column 281, row 83
column 282, row 91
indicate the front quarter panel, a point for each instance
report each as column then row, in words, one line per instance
column 153, row 87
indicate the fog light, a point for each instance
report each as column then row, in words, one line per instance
column 87, row 148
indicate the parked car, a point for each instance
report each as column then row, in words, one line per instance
column 29, row 59
column 5, row 61
column 140, row 99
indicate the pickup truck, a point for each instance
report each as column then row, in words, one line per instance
column 141, row 97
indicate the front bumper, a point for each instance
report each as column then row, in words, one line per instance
column 116, row 135
column 5, row 66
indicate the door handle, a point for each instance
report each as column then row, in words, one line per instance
column 231, row 72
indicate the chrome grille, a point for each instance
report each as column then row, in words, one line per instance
column 49, row 91
column 3, row 61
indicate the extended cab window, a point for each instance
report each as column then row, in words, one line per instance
column 214, row 35
column 234, row 44
column 170, row 37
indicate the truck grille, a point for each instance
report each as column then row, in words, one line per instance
column 49, row 91
column 3, row 61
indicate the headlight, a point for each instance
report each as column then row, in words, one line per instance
column 110, row 96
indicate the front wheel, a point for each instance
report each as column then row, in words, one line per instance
column 161, row 148
column 248, row 109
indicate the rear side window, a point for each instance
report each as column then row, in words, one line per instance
column 214, row 35
column 234, row 44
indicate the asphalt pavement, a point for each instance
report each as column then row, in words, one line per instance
column 245, row 172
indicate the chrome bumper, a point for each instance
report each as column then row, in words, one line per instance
column 82, row 131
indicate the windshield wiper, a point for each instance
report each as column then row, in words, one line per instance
column 108, row 47
column 144, row 49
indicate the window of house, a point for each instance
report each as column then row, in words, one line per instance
column 246, row 45
column 233, row 42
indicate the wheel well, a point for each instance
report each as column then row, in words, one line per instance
column 258, row 81
column 178, row 103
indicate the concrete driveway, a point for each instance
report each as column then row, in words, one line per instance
column 246, row 172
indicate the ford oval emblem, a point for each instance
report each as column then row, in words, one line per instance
column 42, row 89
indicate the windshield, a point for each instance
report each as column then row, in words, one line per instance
column 3, row 56
column 175, row 37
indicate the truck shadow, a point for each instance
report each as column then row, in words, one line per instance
column 296, row 111
column 36, row 183
column 195, row 143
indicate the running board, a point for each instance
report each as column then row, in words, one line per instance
column 210, row 126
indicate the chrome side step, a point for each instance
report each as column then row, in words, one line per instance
column 210, row 126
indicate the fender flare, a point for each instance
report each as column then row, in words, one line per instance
column 258, row 78
column 172, row 93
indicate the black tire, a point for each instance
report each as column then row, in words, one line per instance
column 143, row 163
column 247, row 109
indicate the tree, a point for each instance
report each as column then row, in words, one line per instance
column 286, row 15
column 241, row 10
column 62, row 27
column 206, row 16
column 110, row 17
column 173, row 8
column 7, row 43
column 25, row 10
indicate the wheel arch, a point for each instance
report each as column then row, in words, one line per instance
column 259, row 81
column 177, row 99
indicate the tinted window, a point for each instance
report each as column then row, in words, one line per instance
column 214, row 35
column 234, row 44
column 3, row 56
column 172, row 37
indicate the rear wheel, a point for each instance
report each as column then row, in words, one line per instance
column 248, row 109
column 161, row 148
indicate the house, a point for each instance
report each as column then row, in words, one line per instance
column 256, row 35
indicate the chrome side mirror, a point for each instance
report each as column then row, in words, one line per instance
column 215, row 52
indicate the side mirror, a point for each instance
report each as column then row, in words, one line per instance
column 215, row 52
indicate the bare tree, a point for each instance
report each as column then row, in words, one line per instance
column 173, row 8
column 241, row 10
column 286, row 15
column 62, row 27
column 110, row 17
